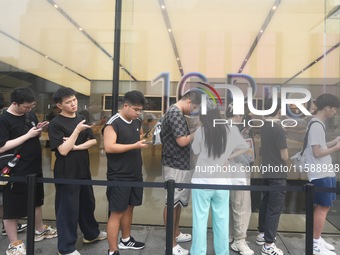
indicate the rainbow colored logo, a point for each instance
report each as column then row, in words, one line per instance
column 204, row 87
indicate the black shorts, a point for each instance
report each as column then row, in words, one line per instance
column 121, row 197
column 15, row 199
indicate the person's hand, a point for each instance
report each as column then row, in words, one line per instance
column 141, row 144
column 337, row 145
column 82, row 126
column 33, row 132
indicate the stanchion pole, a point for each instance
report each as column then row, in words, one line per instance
column 170, row 186
column 32, row 189
column 309, row 188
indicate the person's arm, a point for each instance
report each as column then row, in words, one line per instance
column 69, row 143
column 333, row 142
column 238, row 153
column 11, row 144
column 284, row 154
column 183, row 141
column 111, row 145
column 318, row 152
column 84, row 146
column 317, row 138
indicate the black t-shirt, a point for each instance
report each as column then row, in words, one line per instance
column 126, row 166
column 273, row 139
column 76, row 164
column 11, row 127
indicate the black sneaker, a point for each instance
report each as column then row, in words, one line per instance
column 115, row 253
column 131, row 244
column 21, row 227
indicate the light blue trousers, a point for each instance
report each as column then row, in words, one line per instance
column 202, row 200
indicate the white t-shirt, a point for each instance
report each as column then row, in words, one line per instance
column 317, row 168
column 209, row 170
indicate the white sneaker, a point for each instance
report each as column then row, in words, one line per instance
column 260, row 239
column 47, row 233
column 16, row 248
column 272, row 250
column 241, row 247
column 102, row 236
column 178, row 250
column 328, row 246
column 72, row 253
column 182, row 238
column 319, row 249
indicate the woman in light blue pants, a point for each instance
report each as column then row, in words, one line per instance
column 214, row 145
column 219, row 202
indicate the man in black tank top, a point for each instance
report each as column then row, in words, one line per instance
column 123, row 144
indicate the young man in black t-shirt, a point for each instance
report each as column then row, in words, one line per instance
column 274, row 154
column 123, row 144
column 19, row 135
column 71, row 138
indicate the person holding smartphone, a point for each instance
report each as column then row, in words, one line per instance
column 123, row 144
column 19, row 134
column 70, row 139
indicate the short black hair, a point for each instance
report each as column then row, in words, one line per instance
column 268, row 104
column 325, row 100
column 134, row 97
column 62, row 93
column 194, row 96
column 22, row 95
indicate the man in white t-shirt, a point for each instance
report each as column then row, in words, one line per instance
column 320, row 169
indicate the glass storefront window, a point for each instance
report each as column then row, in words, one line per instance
column 278, row 44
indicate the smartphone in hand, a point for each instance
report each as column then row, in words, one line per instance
column 42, row 124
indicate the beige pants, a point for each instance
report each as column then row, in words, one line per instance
column 240, row 212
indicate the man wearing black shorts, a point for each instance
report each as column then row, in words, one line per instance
column 122, row 134
column 20, row 135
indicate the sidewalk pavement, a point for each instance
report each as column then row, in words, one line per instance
column 154, row 238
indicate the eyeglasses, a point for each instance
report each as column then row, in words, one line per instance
column 137, row 110
column 28, row 107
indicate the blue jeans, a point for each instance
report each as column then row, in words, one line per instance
column 202, row 200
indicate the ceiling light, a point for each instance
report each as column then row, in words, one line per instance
column 46, row 56
column 177, row 59
column 56, row 6
column 274, row 7
column 163, row 6
column 169, row 30
column 80, row 29
column 261, row 31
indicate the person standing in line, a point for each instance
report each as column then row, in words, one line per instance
column 215, row 147
column 123, row 144
column 240, row 200
column 318, row 156
column 19, row 134
column 176, row 138
column 274, row 154
column 70, row 139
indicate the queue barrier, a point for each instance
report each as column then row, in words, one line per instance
column 170, row 186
